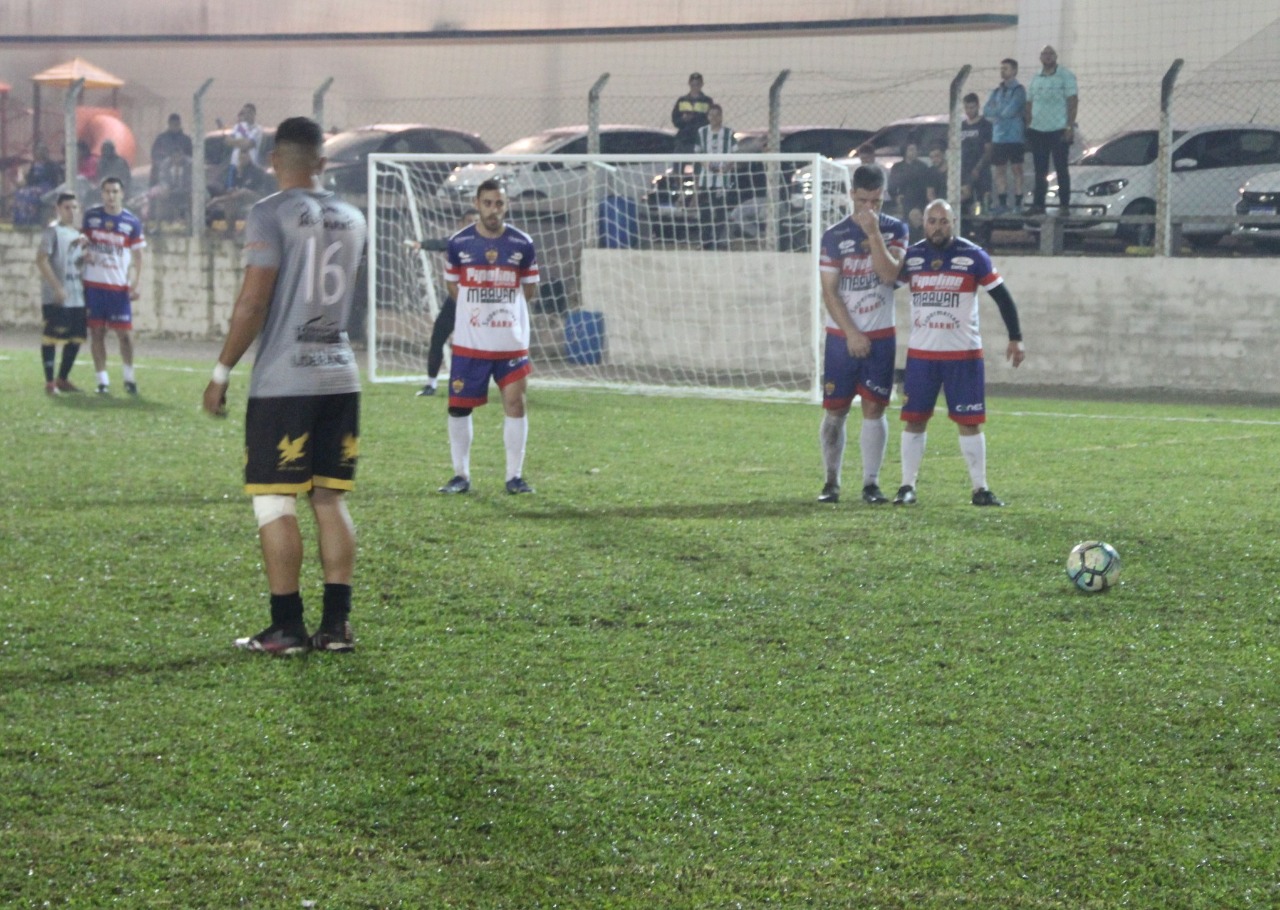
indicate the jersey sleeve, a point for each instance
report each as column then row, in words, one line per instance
column 829, row 256
column 262, row 240
column 985, row 271
column 529, row 269
column 899, row 237
column 453, row 262
column 48, row 240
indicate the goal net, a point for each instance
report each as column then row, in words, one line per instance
column 651, row 280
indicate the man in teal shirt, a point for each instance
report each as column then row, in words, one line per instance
column 1051, row 122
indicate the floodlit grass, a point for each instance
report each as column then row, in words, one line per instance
column 668, row 679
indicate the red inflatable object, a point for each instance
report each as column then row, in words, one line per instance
column 96, row 125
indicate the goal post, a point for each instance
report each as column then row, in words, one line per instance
column 651, row 281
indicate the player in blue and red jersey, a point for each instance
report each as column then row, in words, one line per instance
column 861, row 256
column 112, row 271
column 944, row 351
column 492, row 273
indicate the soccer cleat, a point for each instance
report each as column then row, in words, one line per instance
column 906, row 495
column 277, row 640
column 985, row 497
column 131, row 388
column 64, row 385
column 50, row 388
column 104, row 389
column 830, row 493
column 426, row 391
column 517, row 485
column 337, row 638
column 872, row 496
column 458, row 484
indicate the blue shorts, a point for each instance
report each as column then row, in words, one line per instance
column 963, row 380
column 107, row 307
column 844, row 376
column 469, row 378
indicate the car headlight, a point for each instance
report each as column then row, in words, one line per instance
column 1107, row 188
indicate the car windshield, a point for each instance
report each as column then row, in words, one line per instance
column 893, row 140
column 1136, row 149
column 535, row 145
column 353, row 146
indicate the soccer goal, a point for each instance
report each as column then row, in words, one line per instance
column 650, row 282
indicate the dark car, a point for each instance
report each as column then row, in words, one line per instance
column 348, row 154
column 673, row 198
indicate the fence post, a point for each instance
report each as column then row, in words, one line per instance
column 199, row 182
column 773, row 169
column 70, row 153
column 593, row 148
column 317, row 102
column 1164, row 163
column 955, row 110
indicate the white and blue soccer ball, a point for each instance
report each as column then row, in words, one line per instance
column 1093, row 566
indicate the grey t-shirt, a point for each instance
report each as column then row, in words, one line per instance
column 314, row 240
column 65, row 250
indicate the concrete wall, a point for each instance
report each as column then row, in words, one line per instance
column 1189, row 325
column 188, row 289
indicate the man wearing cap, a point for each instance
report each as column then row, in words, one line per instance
column 690, row 114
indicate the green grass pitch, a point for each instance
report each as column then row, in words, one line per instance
column 670, row 679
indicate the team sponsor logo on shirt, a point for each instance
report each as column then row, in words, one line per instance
column 516, row 258
column 496, row 276
column 847, row 245
column 491, row 295
column 464, row 257
column 935, row 319
column 496, row 319
column 962, row 262
column 915, row 262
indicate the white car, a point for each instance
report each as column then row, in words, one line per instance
column 1260, row 198
column 560, row 187
column 1120, row 177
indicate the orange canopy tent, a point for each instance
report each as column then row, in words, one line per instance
column 64, row 75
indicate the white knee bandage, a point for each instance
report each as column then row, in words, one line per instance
column 269, row 508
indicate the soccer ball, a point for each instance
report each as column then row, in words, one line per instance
column 1093, row 565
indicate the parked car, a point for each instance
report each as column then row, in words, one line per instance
column 347, row 154
column 926, row 131
column 1260, row 197
column 672, row 199
column 556, row 187
column 1209, row 164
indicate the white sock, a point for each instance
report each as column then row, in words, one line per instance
column 103, row 378
column 832, row 435
column 515, row 432
column 128, row 372
column 460, row 445
column 974, row 450
column 912, row 455
column 431, row 381
column 875, row 442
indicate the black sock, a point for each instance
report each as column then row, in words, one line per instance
column 286, row 609
column 1003, row 199
column 337, row 604
column 69, row 352
column 47, row 356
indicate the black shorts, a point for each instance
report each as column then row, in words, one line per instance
column 62, row 323
column 296, row 443
column 1008, row 153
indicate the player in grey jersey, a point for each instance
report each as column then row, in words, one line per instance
column 302, row 249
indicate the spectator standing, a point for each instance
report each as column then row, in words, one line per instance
column 172, row 141
column 1006, row 109
column 112, row 275
column 716, row 179
column 86, row 162
column 492, row 273
column 944, row 274
column 936, row 182
column 690, row 114
column 867, row 157
column 245, row 139
column 908, row 181
column 860, row 260
column 112, row 165
column 59, row 260
column 1052, row 103
column 975, row 155
column 302, row 431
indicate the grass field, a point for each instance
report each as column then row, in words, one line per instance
column 668, row 679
